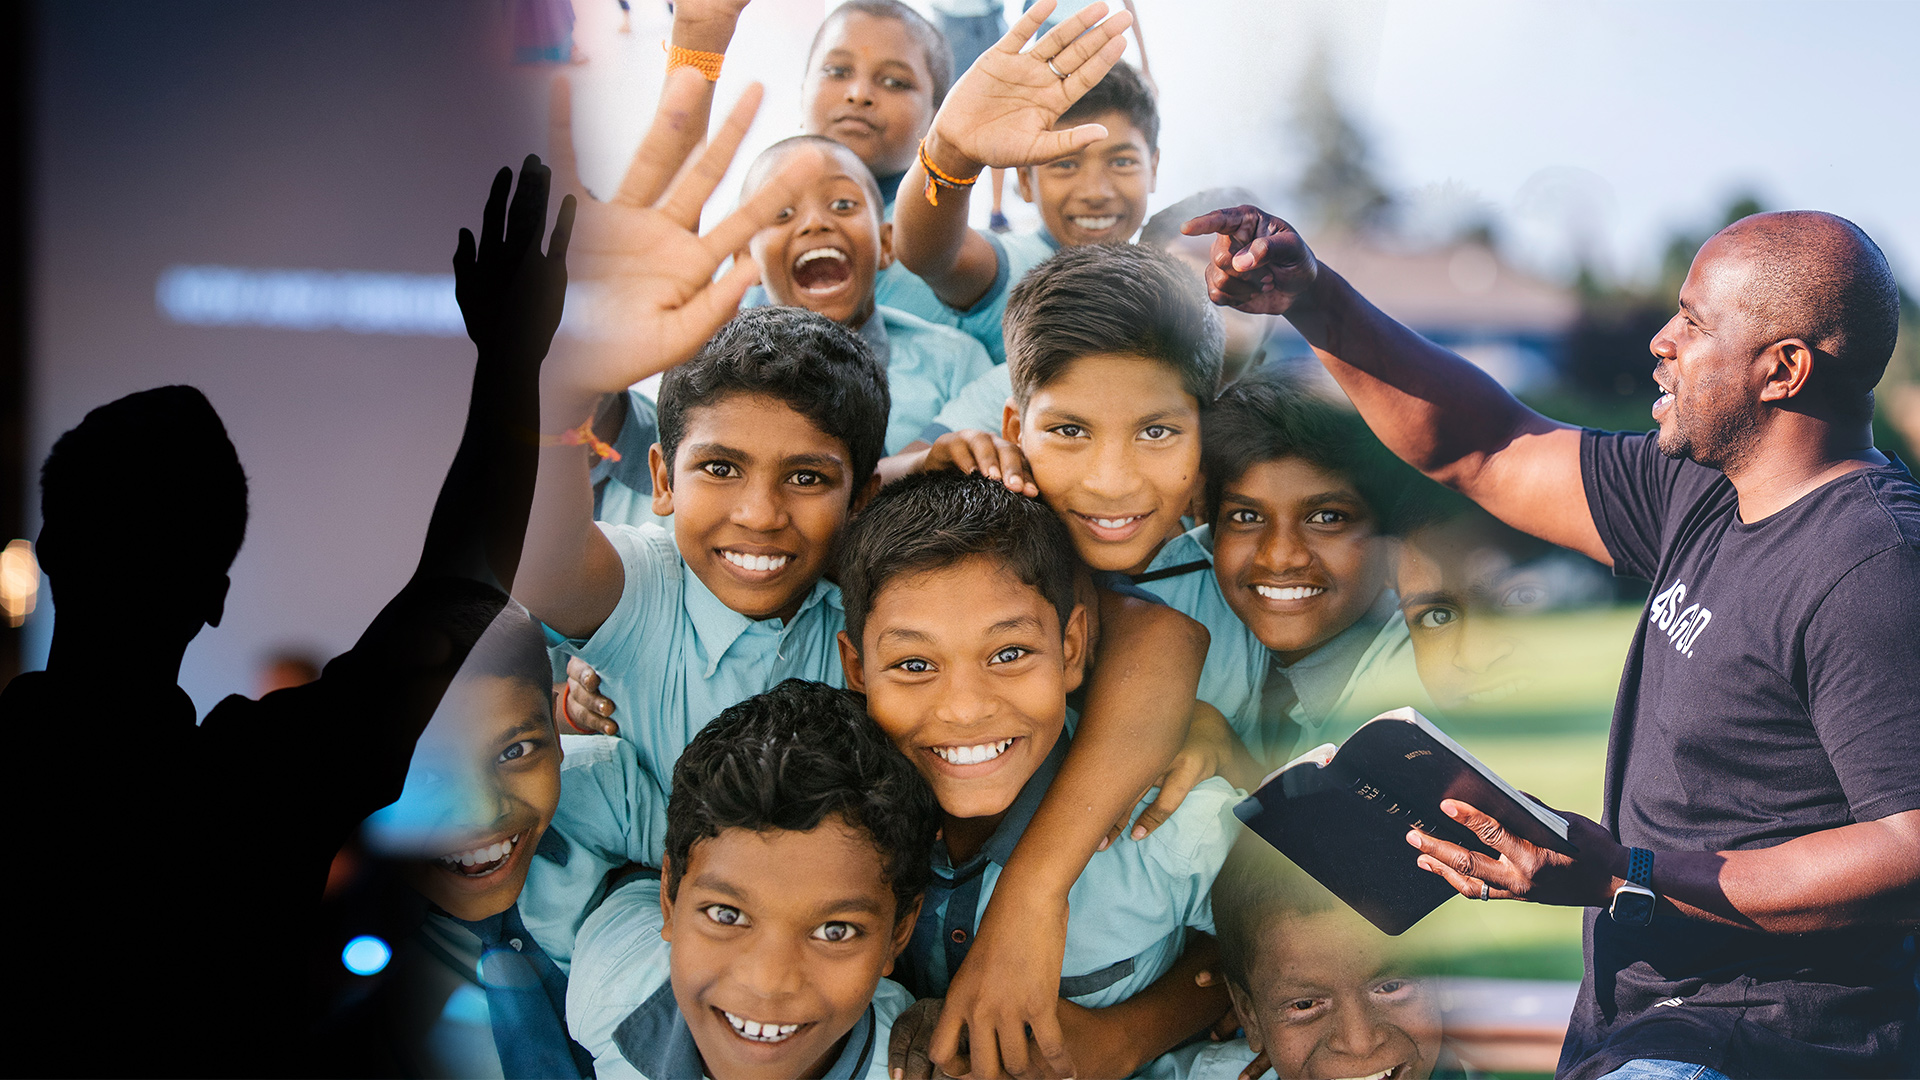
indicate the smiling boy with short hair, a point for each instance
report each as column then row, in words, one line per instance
column 964, row 632
column 735, row 965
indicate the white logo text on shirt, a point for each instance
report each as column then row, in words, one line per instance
column 1681, row 625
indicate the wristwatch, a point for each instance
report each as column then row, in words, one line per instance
column 1633, row 901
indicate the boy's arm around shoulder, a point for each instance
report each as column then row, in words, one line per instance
column 1140, row 697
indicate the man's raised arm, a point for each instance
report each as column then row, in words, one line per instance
column 1430, row 406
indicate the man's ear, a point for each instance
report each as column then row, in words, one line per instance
column 1024, row 176
column 865, row 495
column 1074, row 655
column 217, row 599
column 1789, row 364
column 903, row 933
column 850, row 664
column 886, row 244
column 666, row 899
column 1010, row 422
column 1249, row 1020
column 662, row 481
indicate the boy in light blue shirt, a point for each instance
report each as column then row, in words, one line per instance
column 964, row 632
column 797, row 855
column 1290, row 575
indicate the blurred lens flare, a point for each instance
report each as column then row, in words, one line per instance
column 19, row 582
column 366, row 955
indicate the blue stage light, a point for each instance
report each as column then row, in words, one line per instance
column 366, row 955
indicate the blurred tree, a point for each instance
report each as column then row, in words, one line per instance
column 1337, row 188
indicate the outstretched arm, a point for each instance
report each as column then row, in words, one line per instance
column 1433, row 408
column 1140, row 697
column 647, row 300
column 1000, row 114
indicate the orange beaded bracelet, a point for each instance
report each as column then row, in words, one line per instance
column 706, row 63
column 937, row 179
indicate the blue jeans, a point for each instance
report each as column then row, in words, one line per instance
column 1653, row 1069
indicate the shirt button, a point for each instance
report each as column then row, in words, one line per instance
column 515, row 942
column 959, row 937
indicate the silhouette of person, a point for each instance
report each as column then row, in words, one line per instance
column 168, row 935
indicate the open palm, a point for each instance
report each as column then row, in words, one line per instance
column 1002, row 111
column 646, row 297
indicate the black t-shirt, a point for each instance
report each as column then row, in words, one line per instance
column 1772, row 690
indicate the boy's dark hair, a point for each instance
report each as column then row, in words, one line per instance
column 763, row 164
column 1122, row 91
column 790, row 758
column 1164, row 226
column 512, row 647
column 1256, row 887
column 1112, row 299
column 931, row 40
column 1265, row 417
column 933, row 520
column 189, row 495
column 818, row 368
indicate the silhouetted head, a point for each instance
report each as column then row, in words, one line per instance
column 1790, row 312
column 168, row 531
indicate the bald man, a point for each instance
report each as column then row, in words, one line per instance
column 1752, row 887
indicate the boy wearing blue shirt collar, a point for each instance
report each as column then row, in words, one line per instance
column 1291, row 573
column 964, row 632
column 796, row 857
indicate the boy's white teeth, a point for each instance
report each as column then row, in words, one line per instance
column 1291, row 592
column 819, row 253
column 756, row 562
column 759, row 1032
column 1381, row 1075
column 481, row 856
column 1097, row 224
column 1116, row 523
column 972, row 755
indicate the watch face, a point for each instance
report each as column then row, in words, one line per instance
column 1632, row 907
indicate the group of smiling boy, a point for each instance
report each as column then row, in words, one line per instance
column 888, row 635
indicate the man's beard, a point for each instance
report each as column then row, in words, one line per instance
column 1720, row 440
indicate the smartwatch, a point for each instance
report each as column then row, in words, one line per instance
column 1633, row 902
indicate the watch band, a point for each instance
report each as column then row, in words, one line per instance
column 1640, row 867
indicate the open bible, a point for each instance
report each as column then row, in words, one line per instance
column 1341, row 813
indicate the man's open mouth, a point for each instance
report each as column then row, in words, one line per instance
column 480, row 861
column 822, row 270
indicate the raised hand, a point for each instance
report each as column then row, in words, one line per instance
column 1524, row 871
column 510, row 293
column 648, row 298
column 1002, row 111
column 1259, row 263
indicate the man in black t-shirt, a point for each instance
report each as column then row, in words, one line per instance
column 1759, row 861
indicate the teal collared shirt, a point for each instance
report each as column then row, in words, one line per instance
column 927, row 366
column 672, row 657
column 1367, row 668
column 981, row 405
column 623, row 489
column 1200, row 1061
column 620, row 1002
column 1127, row 915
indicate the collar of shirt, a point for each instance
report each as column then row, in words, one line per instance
column 1320, row 676
column 874, row 333
column 999, row 847
column 655, row 1039
column 718, row 626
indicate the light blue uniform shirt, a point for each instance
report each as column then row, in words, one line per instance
column 1200, row 1061
column 981, row 405
column 1127, row 915
column 927, row 365
column 1365, row 669
column 672, row 657
column 620, row 1003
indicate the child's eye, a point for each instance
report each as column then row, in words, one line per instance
column 843, row 205
column 807, row 478
column 1068, row 431
column 720, row 470
column 1156, row 432
column 726, row 915
column 518, row 750
column 1526, row 595
column 1009, row 654
column 836, row 71
column 1124, row 161
column 1435, row 618
column 1243, row 517
column 1326, row 517
column 1303, row 1008
column 1394, row 987
column 913, row 665
column 836, row 931
column 892, row 83
column 785, row 213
